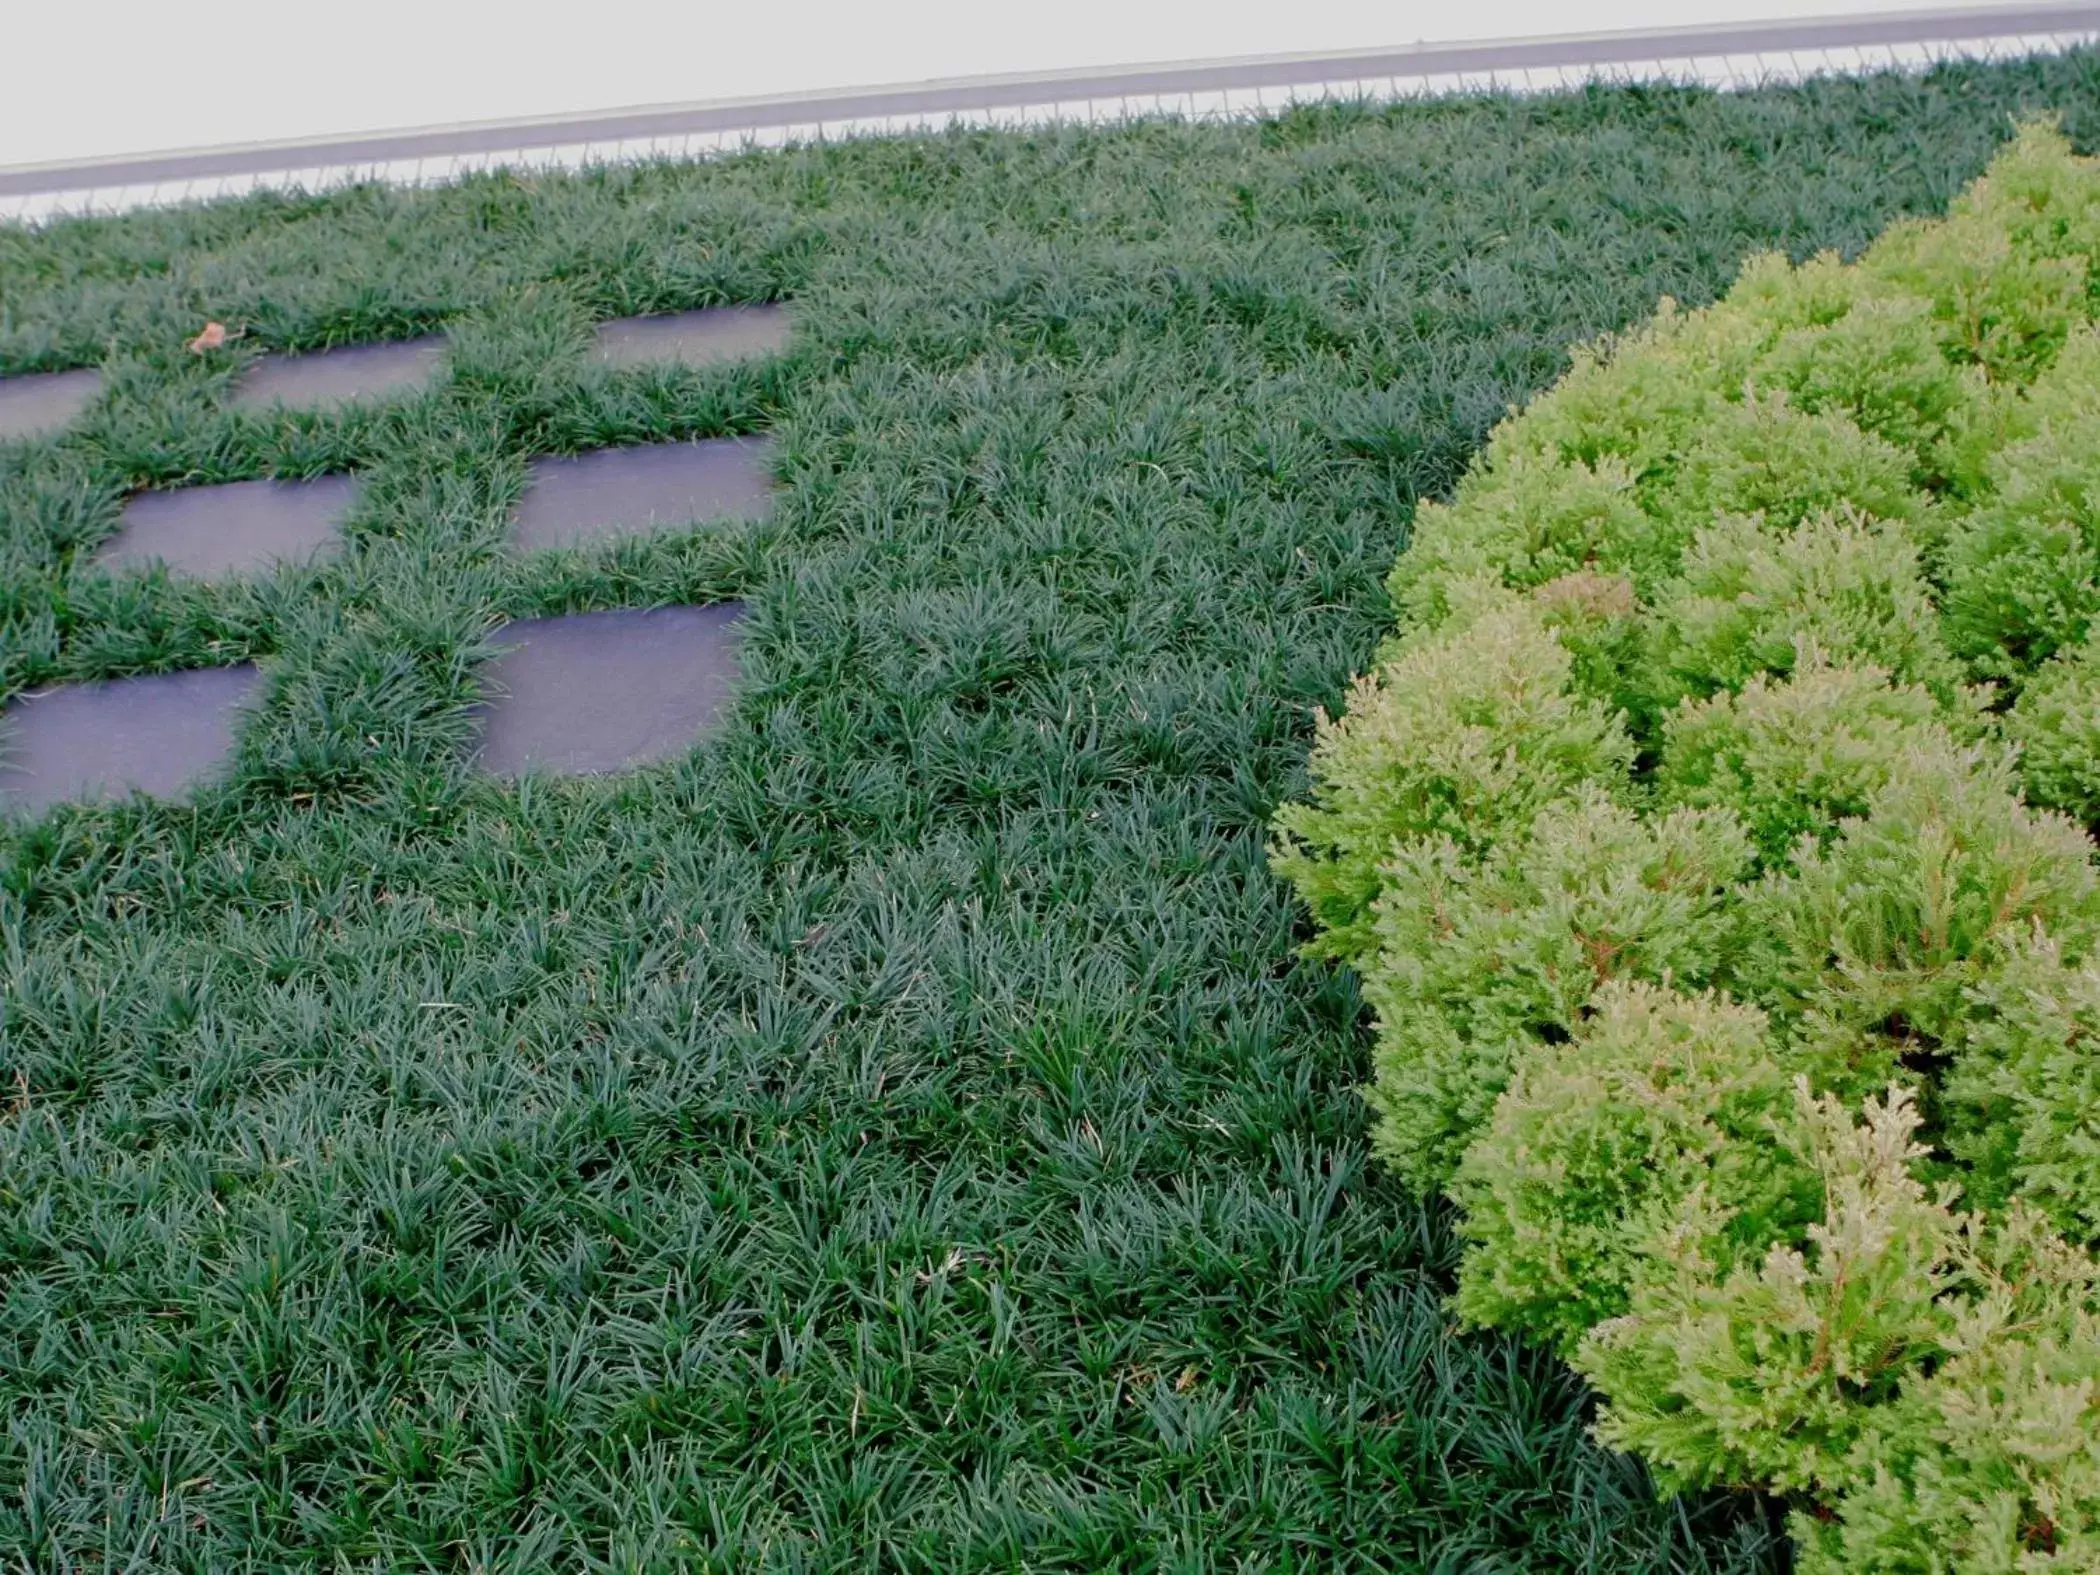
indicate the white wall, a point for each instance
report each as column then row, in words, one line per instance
column 85, row 78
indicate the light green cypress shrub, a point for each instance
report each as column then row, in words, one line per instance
column 1991, row 1462
column 1642, row 398
column 1879, row 365
column 2003, row 415
column 1481, row 959
column 2021, row 567
column 2022, row 1098
column 1886, row 928
column 1767, row 1374
column 2009, row 270
column 1746, row 596
column 1671, row 794
column 2044, row 201
column 1793, row 757
column 2056, row 724
column 1522, row 524
column 1464, row 736
column 1596, row 1144
column 1763, row 456
column 1597, row 618
column 2067, row 393
column 1928, row 1381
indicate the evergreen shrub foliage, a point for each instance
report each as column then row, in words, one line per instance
column 1713, row 839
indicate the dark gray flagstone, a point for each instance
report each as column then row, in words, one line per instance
column 339, row 376
column 37, row 404
column 210, row 531
column 614, row 492
column 159, row 734
column 604, row 691
column 707, row 337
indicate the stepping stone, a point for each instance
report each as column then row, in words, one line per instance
column 603, row 691
column 336, row 377
column 43, row 402
column 208, row 531
column 159, row 734
column 703, row 338
column 614, row 492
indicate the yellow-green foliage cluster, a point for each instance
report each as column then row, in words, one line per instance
column 1712, row 839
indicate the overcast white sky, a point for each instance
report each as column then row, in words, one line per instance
column 82, row 78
